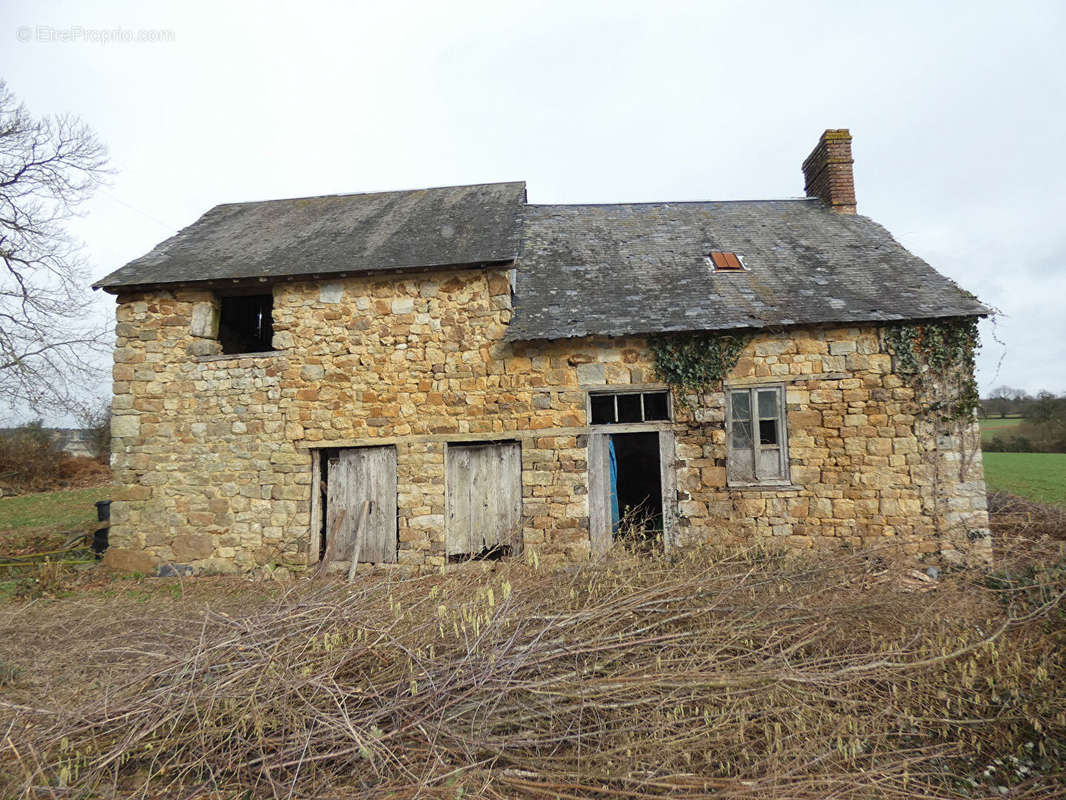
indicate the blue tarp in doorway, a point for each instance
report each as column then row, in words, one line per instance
column 614, row 484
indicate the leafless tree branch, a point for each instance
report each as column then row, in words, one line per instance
column 49, row 166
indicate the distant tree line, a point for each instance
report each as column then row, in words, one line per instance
column 1043, row 426
column 1006, row 401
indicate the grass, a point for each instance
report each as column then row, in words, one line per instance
column 1036, row 476
column 40, row 519
column 70, row 507
column 999, row 427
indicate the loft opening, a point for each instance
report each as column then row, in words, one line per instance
column 246, row 323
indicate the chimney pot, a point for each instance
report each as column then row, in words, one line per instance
column 828, row 174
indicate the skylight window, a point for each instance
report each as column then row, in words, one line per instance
column 725, row 262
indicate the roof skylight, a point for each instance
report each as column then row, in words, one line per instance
column 725, row 262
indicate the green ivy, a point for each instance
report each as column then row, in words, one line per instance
column 933, row 354
column 695, row 363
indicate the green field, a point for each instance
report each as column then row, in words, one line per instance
column 1036, row 476
column 34, row 517
column 999, row 427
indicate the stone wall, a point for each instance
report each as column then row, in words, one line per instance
column 213, row 455
column 867, row 466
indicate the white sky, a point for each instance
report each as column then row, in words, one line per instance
column 958, row 112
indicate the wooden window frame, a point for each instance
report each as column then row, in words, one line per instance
column 782, row 478
column 642, row 391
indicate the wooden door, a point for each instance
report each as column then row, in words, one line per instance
column 484, row 498
column 355, row 476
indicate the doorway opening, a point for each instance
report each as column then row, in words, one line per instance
column 636, row 489
column 325, row 455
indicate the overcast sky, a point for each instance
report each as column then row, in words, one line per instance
column 958, row 112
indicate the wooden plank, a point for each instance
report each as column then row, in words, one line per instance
column 668, row 479
column 338, row 483
column 331, row 538
column 484, row 523
column 458, row 501
column 511, row 497
column 599, row 467
column 360, row 535
column 373, row 476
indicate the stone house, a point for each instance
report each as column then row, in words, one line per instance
column 454, row 372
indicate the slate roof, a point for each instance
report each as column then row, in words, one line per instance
column 582, row 270
column 642, row 268
column 337, row 233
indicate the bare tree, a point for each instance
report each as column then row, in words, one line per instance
column 999, row 400
column 48, row 335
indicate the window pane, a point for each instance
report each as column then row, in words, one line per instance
column 628, row 407
column 602, row 409
column 768, row 404
column 741, row 436
column 741, row 405
column 769, row 466
column 768, row 431
column 655, row 406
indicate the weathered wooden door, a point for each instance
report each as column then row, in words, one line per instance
column 484, row 498
column 355, row 476
column 668, row 481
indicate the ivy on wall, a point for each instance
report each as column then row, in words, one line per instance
column 695, row 363
column 938, row 360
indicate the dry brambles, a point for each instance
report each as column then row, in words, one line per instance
column 713, row 674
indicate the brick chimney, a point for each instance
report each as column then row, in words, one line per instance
column 827, row 171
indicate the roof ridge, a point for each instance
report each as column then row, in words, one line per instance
column 368, row 194
column 673, row 202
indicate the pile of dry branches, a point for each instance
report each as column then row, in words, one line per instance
column 710, row 675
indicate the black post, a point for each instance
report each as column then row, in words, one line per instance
column 103, row 514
